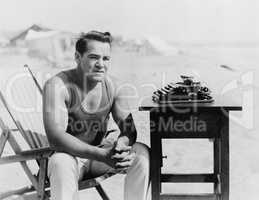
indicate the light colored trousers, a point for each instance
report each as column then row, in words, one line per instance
column 64, row 172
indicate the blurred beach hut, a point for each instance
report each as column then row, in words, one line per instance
column 19, row 39
column 150, row 46
column 153, row 45
column 53, row 46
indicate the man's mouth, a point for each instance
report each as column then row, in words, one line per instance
column 98, row 71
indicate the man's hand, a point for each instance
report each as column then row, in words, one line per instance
column 117, row 148
column 121, row 146
column 119, row 156
column 124, row 160
column 108, row 153
column 124, row 156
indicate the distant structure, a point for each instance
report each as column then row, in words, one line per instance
column 57, row 47
column 150, row 45
column 21, row 36
column 53, row 46
column 158, row 46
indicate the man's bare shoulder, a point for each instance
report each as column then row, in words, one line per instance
column 114, row 84
column 112, row 80
column 54, row 81
column 117, row 82
column 62, row 78
column 56, row 85
column 120, row 87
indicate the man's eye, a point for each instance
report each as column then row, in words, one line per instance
column 106, row 58
column 93, row 57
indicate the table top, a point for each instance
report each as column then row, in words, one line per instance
column 219, row 102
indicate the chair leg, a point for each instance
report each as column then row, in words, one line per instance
column 41, row 179
column 102, row 193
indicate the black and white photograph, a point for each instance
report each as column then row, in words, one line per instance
column 129, row 100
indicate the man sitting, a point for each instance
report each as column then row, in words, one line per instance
column 76, row 108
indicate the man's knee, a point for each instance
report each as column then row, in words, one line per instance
column 62, row 163
column 141, row 149
column 142, row 155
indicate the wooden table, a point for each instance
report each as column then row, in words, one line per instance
column 190, row 121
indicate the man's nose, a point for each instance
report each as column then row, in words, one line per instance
column 100, row 63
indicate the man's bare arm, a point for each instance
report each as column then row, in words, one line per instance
column 122, row 115
column 55, row 117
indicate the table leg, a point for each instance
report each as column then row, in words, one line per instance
column 155, row 163
column 217, row 167
column 155, row 172
column 224, row 156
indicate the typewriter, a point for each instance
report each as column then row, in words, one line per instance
column 187, row 91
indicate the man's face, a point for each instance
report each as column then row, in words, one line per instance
column 96, row 60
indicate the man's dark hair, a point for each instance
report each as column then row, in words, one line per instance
column 81, row 43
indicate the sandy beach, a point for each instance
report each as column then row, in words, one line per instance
column 144, row 74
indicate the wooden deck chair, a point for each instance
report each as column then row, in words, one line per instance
column 40, row 151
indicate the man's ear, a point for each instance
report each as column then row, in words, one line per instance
column 77, row 57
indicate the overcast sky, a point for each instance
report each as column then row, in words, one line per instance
column 176, row 20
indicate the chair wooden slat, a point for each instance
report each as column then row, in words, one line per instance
column 19, row 191
column 38, row 138
column 102, row 193
column 30, row 140
column 27, row 155
column 17, row 149
column 26, row 135
column 2, row 124
column 4, row 136
column 3, row 140
column 44, row 140
column 35, row 139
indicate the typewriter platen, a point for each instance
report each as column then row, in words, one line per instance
column 187, row 91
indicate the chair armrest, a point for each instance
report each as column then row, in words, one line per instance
column 27, row 155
